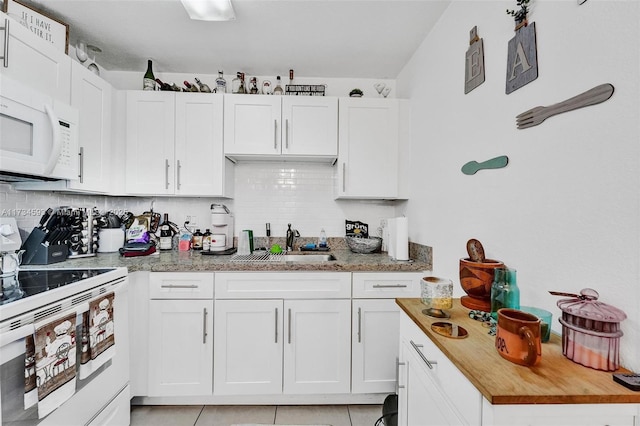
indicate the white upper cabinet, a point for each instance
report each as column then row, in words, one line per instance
column 369, row 149
column 310, row 126
column 174, row 145
column 92, row 96
column 200, row 168
column 33, row 61
column 280, row 127
column 150, row 143
column 252, row 125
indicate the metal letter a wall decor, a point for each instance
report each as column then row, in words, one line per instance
column 474, row 62
column 522, row 61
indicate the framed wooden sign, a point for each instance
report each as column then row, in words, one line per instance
column 474, row 62
column 522, row 58
column 47, row 28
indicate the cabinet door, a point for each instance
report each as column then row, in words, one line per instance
column 180, row 347
column 374, row 345
column 248, row 341
column 368, row 148
column 252, row 125
column 310, row 126
column 425, row 404
column 200, row 163
column 91, row 95
column 150, row 142
column 317, row 353
column 34, row 61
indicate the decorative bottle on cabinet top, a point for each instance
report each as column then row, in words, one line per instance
column 278, row 89
column 149, row 81
column 221, row 83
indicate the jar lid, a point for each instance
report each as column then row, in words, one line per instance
column 586, row 305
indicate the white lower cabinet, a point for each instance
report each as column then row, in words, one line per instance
column 432, row 391
column 374, row 345
column 316, row 350
column 376, row 328
column 180, row 334
column 296, row 341
column 248, row 345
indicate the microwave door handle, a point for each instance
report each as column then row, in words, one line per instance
column 56, row 145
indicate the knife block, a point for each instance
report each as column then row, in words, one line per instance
column 36, row 253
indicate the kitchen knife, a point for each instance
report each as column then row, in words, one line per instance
column 45, row 218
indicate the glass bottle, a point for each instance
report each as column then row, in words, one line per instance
column 196, row 241
column 166, row 235
column 202, row 86
column 278, row 89
column 253, row 86
column 221, row 83
column 504, row 291
column 235, row 83
column 242, row 89
column 190, row 87
column 206, row 240
column 149, row 81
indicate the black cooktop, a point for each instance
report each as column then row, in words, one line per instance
column 30, row 282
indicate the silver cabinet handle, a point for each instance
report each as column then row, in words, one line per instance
column 5, row 57
column 166, row 174
column 430, row 364
column 398, row 364
column 289, row 327
column 344, row 177
column 359, row 325
column 204, row 326
column 286, row 129
column 276, row 325
column 81, row 168
column 275, row 134
column 178, row 286
column 178, row 175
column 389, row 286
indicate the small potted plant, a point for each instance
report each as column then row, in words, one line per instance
column 520, row 16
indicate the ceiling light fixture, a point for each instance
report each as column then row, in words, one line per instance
column 209, row 10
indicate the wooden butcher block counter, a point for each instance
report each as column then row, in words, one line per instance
column 555, row 380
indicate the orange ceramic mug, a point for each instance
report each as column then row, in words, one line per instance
column 518, row 337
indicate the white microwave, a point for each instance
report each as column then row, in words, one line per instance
column 38, row 135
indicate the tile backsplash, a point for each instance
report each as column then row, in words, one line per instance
column 279, row 193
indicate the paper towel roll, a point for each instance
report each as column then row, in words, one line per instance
column 391, row 243
column 402, row 238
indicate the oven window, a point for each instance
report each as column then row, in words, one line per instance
column 16, row 135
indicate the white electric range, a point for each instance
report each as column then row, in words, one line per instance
column 31, row 297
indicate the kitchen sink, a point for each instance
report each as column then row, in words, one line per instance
column 297, row 258
column 307, row 258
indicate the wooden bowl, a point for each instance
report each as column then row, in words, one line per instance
column 476, row 279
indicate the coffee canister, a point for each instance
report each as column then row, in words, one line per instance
column 591, row 330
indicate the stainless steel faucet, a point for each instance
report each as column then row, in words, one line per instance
column 292, row 234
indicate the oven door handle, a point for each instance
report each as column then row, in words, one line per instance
column 12, row 342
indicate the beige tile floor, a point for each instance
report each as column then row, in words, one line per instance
column 226, row 415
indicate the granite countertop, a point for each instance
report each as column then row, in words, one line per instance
column 194, row 261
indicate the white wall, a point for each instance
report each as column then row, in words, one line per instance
column 565, row 211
